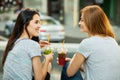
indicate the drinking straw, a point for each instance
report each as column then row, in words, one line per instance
column 48, row 37
column 63, row 45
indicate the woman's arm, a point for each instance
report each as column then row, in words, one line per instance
column 45, row 68
column 75, row 64
column 40, row 70
column 37, row 68
column 46, row 65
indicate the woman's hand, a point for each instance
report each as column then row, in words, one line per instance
column 43, row 43
column 66, row 59
column 49, row 57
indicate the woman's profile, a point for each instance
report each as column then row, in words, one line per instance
column 21, row 59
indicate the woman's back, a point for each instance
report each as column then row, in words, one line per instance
column 102, row 58
column 20, row 57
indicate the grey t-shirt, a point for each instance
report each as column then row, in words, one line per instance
column 102, row 58
column 18, row 65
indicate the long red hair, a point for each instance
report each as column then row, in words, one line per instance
column 97, row 21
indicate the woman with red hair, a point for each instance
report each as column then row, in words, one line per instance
column 99, row 54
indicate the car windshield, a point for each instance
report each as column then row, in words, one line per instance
column 47, row 22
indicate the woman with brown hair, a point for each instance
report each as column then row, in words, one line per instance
column 99, row 54
column 21, row 59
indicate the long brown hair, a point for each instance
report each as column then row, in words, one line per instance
column 22, row 22
column 97, row 21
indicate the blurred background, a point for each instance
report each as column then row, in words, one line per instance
column 66, row 12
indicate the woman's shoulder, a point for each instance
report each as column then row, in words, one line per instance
column 93, row 38
column 27, row 42
column 89, row 40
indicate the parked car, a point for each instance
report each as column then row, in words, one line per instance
column 49, row 27
column 9, row 27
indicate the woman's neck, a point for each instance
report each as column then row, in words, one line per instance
column 24, row 35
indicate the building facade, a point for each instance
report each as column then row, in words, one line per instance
column 61, row 8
